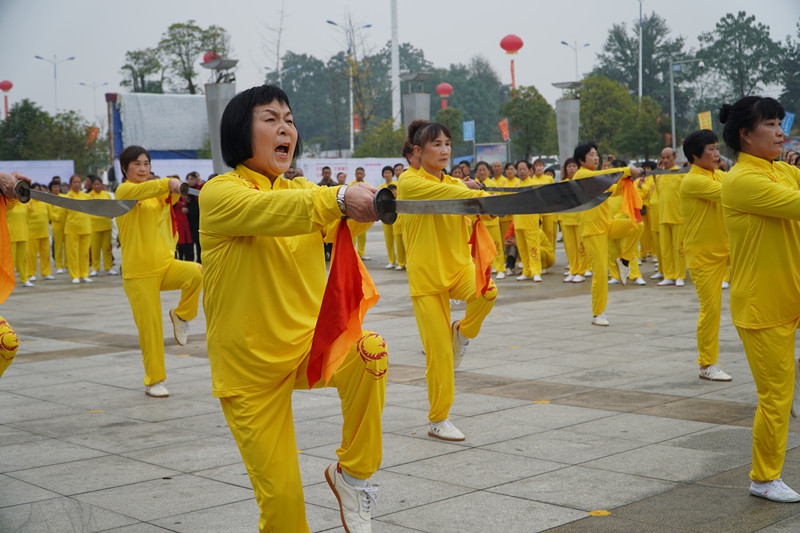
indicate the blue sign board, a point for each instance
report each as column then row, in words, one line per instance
column 786, row 124
column 469, row 130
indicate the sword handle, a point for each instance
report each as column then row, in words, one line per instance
column 385, row 206
column 23, row 191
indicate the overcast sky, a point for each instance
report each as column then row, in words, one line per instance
column 99, row 32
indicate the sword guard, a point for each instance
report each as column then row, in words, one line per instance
column 385, row 206
column 23, row 191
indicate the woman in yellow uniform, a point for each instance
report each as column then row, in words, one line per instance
column 573, row 244
column 761, row 209
column 597, row 227
column 705, row 243
column 38, row 238
column 58, row 215
column 440, row 268
column 526, row 229
column 17, row 220
column 672, row 260
column 149, row 266
column 261, row 239
column 509, row 179
column 388, row 229
column 483, row 176
column 77, row 235
column 549, row 221
column 101, row 232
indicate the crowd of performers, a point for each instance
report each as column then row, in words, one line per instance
column 257, row 225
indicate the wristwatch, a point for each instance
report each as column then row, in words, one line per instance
column 340, row 199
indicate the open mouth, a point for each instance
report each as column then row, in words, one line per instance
column 283, row 149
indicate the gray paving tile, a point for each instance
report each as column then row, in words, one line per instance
column 640, row 427
column 17, row 408
column 60, row 514
column 16, row 492
column 130, row 436
column 200, row 454
column 237, row 517
column 41, row 453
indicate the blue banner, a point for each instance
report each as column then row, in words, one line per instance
column 469, row 130
column 786, row 124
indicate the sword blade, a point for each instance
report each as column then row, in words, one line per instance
column 186, row 190
column 511, row 189
column 660, row 171
column 100, row 208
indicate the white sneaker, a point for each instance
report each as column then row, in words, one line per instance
column 87, row 280
column 75, row 281
column 444, row 430
column 578, row 279
column 569, row 278
column 726, row 285
column 523, row 277
column 403, row 267
column 60, row 271
column 639, row 261
column 544, row 271
column 600, row 320
column 32, row 278
column 537, row 278
column 366, row 258
column 157, row 390
column 180, row 327
column 390, row 266
column 640, row 281
column 501, row 275
column 509, row 272
column 666, row 282
column 49, row 277
column 614, row 281
column 112, row 272
column 714, row 373
column 519, row 264
column 624, row 271
column 460, row 343
column 494, row 271
column 93, row 273
column 796, row 399
column 588, row 274
column 657, row 275
column 27, row 284
column 355, row 503
column 680, row 282
column 775, row 490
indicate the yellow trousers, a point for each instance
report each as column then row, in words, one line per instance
column 101, row 243
column 673, row 260
column 400, row 246
column 145, row 299
column 657, row 248
column 528, row 246
column 77, row 255
column 58, row 248
column 646, row 239
column 432, row 312
column 550, row 228
column 497, row 263
column 19, row 254
column 615, row 248
column 39, row 249
column 263, row 426
column 576, row 252
column 708, row 283
column 388, row 237
column 361, row 244
column 505, row 223
column 597, row 247
column 770, row 353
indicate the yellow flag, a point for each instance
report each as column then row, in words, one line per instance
column 705, row 120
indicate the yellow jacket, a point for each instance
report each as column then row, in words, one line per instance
column 76, row 223
column 669, row 198
column 264, row 274
column 705, row 241
column 37, row 220
column 58, row 216
column 100, row 223
column 761, row 208
column 597, row 220
column 17, row 218
column 527, row 222
column 436, row 245
column 144, row 251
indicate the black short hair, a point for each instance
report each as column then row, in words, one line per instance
column 128, row 156
column 465, row 162
column 650, row 165
column 94, row 178
column 540, row 161
column 401, row 165
column 509, row 164
column 579, row 155
column 236, row 126
column 484, row 164
column 387, row 167
column 421, row 132
column 361, row 169
column 619, row 163
column 193, row 174
column 527, row 164
column 326, row 166
column 695, row 143
column 747, row 113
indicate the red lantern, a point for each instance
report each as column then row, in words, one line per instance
column 6, row 86
column 211, row 55
column 444, row 90
column 511, row 44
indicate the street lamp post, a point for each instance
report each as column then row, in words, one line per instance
column 349, row 33
column 673, row 67
column 575, row 48
column 93, row 86
column 55, row 63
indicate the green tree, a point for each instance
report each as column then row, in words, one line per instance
column 740, row 52
column 381, row 140
column 139, row 67
column 639, row 136
column 604, row 105
column 532, row 122
column 182, row 46
column 24, row 120
column 453, row 118
column 789, row 66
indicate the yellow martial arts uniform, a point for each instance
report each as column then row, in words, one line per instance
column 399, row 240
column 77, row 237
column 615, row 246
column 653, row 214
column 360, row 238
column 58, row 216
column 38, row 238
column 549, row 221
column 262, row 246
column 101, row 235
column 505, row 221
column 672, row 261
column 596, row 228
column 573, row 243
column 149, row 267
column 17, row 219
column 761, row 209
column 493, row 226
column 705, row 244
column 440, row 268
column 526, row 228
column 388, row 233
column 646, row 237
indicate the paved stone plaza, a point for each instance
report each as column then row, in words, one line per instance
column 570, row 427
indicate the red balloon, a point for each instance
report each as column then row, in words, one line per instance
column 5, row 86
column 511, row 43
column 211, row 55
column 444, row 89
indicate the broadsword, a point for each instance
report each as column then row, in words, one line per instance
column 100, row 208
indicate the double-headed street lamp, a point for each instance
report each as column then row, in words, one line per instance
column 675, row 66
column 349, row 33
column 93, row 86
column 55, row 63
column 575, row 48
